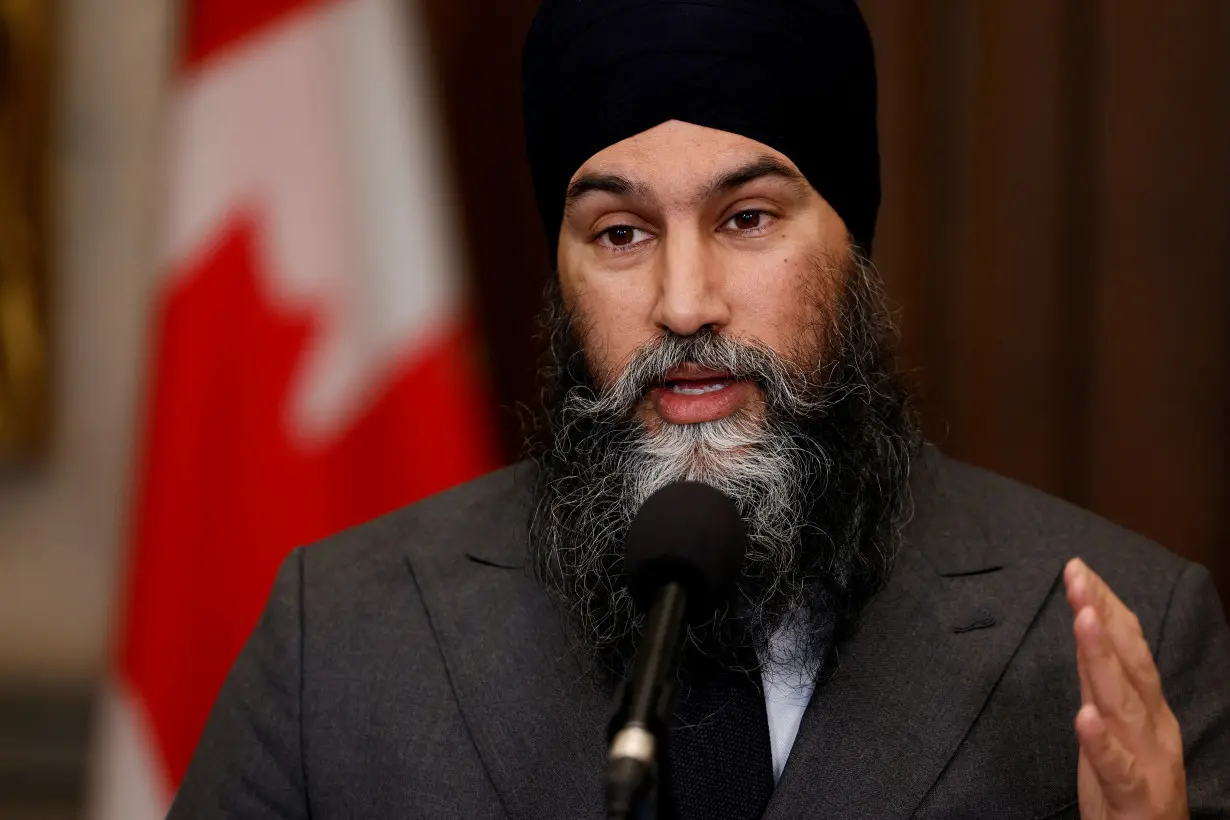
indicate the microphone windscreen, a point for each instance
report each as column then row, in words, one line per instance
column 689, row 533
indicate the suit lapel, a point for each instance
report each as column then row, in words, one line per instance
column 874, row 739
column 916, row 674
column 539, row 724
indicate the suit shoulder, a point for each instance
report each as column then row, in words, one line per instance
column 438, row 530
column 1036, row 526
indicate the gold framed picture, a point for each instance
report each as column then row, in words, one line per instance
column 25, row 117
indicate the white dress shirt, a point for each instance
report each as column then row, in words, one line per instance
column 787, row 689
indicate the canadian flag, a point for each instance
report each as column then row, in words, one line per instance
column 313, row 363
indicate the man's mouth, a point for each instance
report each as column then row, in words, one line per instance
column 697, row 387
column 690, row 395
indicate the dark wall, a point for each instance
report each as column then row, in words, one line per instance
column 1056, row 228
column 476, row 45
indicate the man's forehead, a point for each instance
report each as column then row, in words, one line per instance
column 676, row 159
column 783, row 72
column 677, row 144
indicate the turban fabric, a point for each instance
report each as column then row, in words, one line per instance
column 796, row 75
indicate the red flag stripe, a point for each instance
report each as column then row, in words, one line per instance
column 227, row 484
column 210, row 27
column 227, row 492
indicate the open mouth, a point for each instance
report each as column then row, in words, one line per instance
column 690, row 394
column 697, row 387
column 692, row 377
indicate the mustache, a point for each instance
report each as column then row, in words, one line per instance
column 784, row 383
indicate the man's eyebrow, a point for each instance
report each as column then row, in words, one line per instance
column 763, row 167
column 726, row 182
column 615, row 184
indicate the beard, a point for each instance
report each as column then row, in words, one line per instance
column 818, row 469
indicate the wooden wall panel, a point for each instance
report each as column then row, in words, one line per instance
column 1000, row 281
column 477, row 53
column 1161, row 240
column 1056, row 228
column 970, row 244
column 908, row 222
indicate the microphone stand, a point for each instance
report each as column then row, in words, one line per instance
column 638, row 732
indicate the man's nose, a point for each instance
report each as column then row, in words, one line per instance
column 691, row 286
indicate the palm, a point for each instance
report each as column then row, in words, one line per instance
column 1089, row 791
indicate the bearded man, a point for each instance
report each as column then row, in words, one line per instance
column 910, row 637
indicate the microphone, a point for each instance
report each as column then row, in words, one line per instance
column 684, row 553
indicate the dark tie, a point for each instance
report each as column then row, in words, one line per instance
column 721, row 762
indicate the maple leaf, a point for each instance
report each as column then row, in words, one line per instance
column 225, row 492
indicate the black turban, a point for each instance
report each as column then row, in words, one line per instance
column 796, row 75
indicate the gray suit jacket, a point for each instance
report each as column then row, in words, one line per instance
column 412, row 668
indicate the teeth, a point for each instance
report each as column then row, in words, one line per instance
column 697, row 391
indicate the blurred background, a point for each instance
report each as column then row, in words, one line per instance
column 196, row 196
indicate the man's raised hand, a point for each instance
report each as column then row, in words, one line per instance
column 1131, row 758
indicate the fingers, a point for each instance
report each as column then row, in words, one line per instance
column 1111, row 690
column 1086, row 689
column 1113, row 763
column 1086, row 589
column 1128, row 735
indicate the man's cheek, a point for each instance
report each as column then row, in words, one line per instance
column 606, row 370
column 595, row 348
column 609, row 355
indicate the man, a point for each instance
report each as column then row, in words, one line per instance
column 908, row 638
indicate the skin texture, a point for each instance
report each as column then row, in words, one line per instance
column 673, row 250
column 652, row 241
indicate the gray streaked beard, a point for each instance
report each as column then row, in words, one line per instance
column 819, row 473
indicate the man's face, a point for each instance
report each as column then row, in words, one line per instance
column 681, row 228
column 713, row 323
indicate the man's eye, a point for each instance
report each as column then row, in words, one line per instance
column 622, row 236
column 749, row 221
